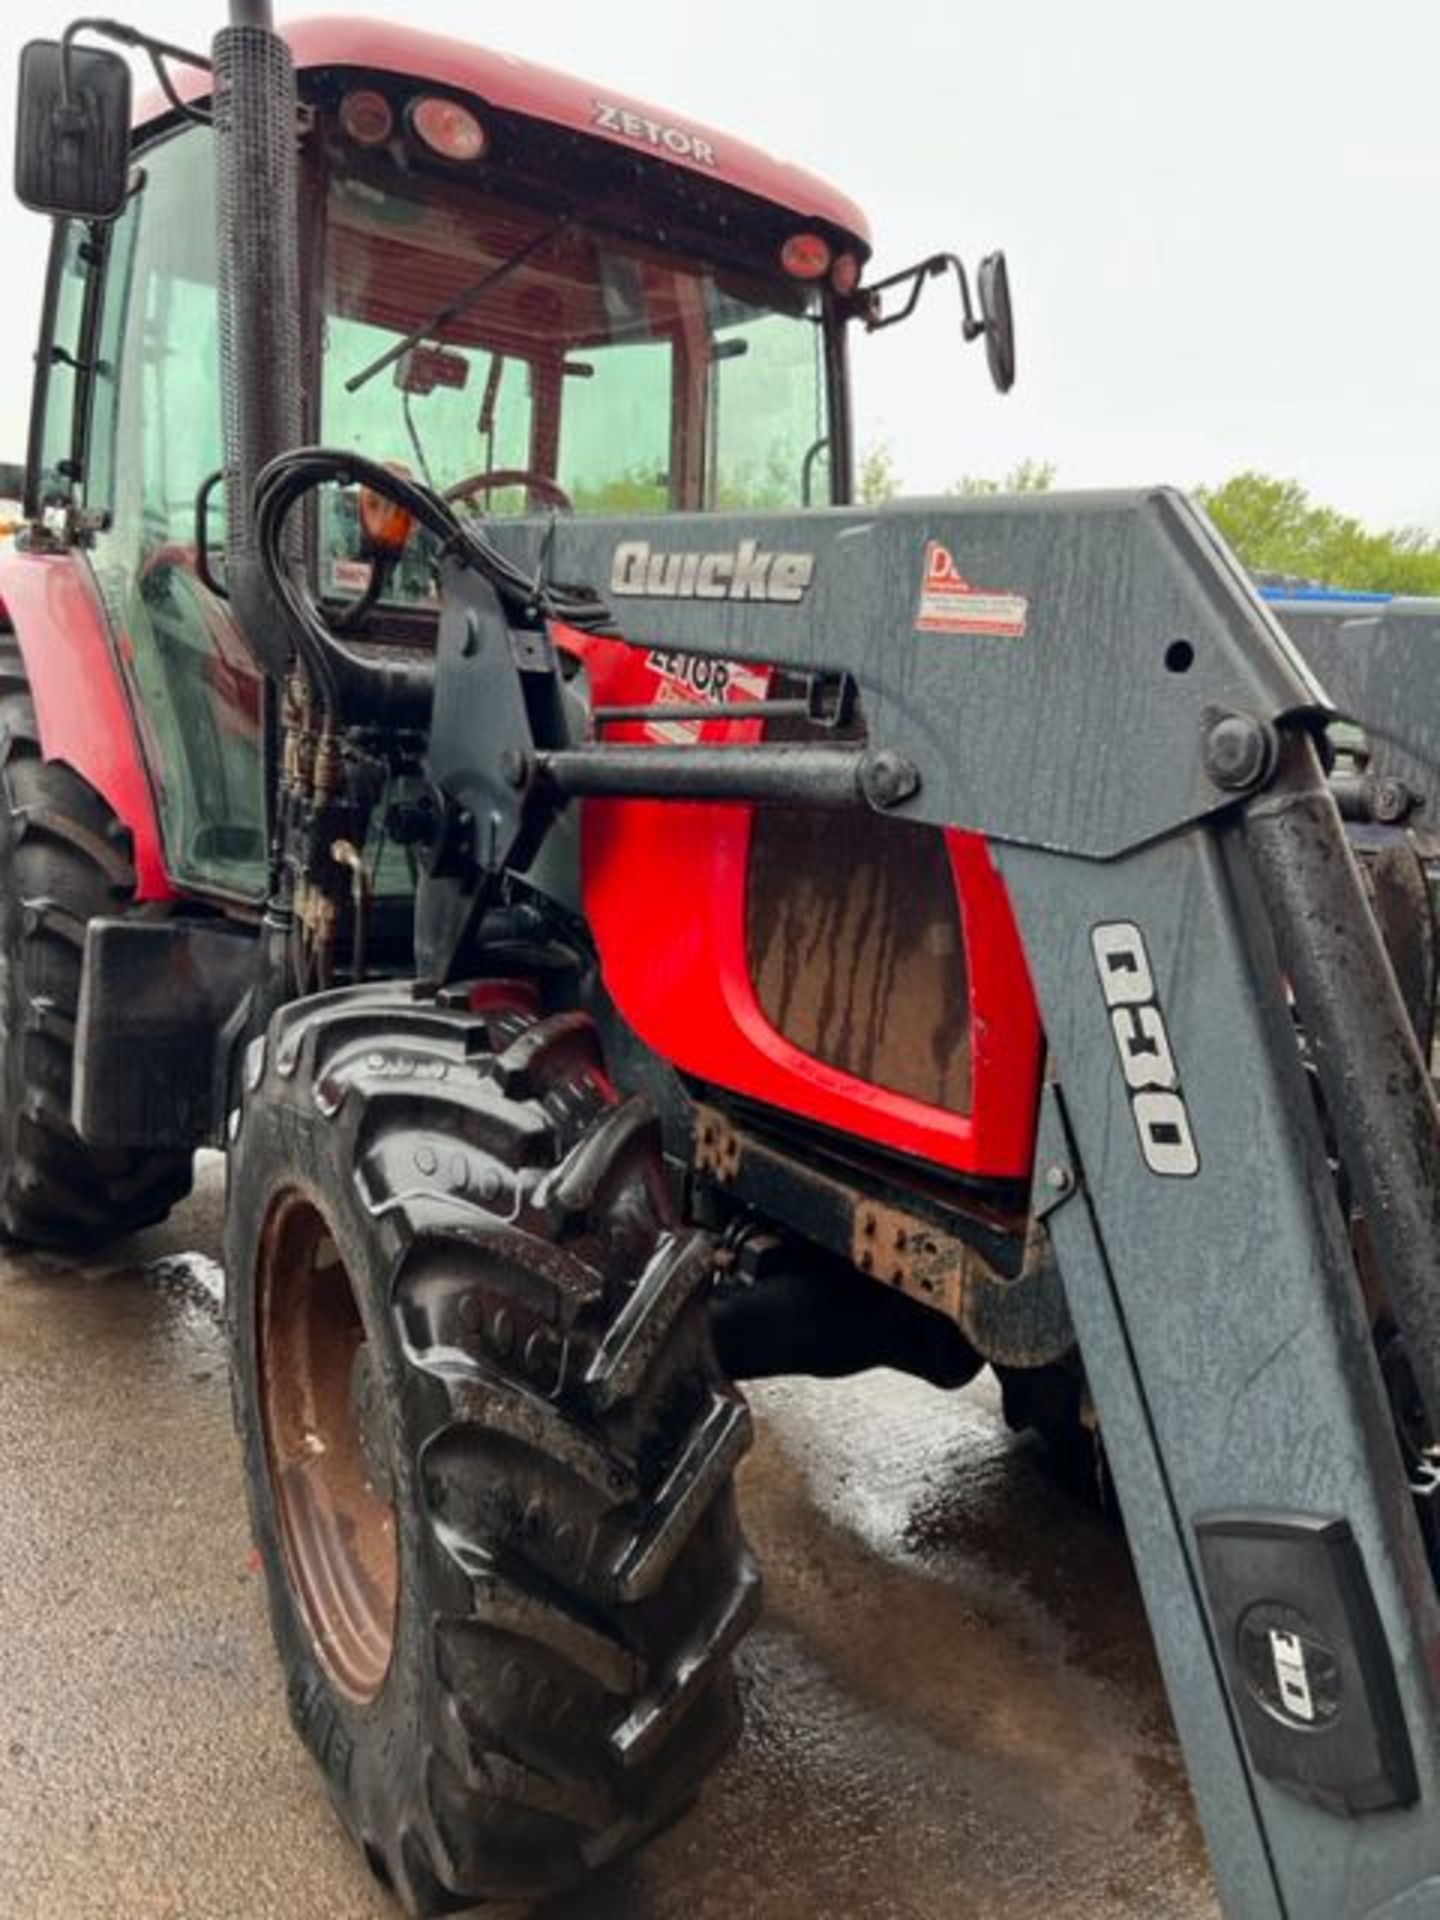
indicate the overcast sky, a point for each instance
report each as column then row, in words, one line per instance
column 1221, row 217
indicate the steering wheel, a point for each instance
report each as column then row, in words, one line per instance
column 550, row 491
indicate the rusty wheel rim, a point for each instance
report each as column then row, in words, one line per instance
column 326, row 1448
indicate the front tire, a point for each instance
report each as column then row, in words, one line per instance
column 488, row 1447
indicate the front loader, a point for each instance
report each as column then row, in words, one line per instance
column 689, row 928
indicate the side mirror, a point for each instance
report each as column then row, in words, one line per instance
column 72, row 131
column 995, row 322
column 993, row 283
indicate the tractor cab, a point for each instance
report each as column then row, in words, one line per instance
column 535, row 299
column 529, row 297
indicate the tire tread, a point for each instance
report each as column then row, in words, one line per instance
column 577, row 1477
column 70, row 862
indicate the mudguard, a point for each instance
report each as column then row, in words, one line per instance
column 84, row 713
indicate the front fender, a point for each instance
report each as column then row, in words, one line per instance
column 82, row 707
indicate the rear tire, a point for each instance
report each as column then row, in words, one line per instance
column 64, row 860
column 504, row 1566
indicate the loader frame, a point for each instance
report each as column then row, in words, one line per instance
column 1190, row 908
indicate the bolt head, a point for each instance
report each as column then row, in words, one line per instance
column 1238, row 752
column 1391, row 801
column 888, row 779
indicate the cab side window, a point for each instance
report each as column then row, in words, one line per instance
column 54, row 439
column 155, row 437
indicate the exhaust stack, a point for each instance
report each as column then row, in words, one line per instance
column 256, row 127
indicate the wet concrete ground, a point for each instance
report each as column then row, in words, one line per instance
column 953, row 1707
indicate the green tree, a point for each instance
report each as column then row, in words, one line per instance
column 1031, row 476
column 878, row 478
column 638, row 490
column 1275, row 527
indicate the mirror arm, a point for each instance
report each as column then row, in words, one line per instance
column 971, row 328
column 158, row 50
column 158, row 57
column 864, row 299
column 931, row 269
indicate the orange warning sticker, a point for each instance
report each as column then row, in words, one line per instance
column 950, row 604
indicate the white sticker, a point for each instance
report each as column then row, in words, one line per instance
column 1142, row 1041
column 949, row 603
column 1124, row 965
column 1287, row 1650
column 350, row 576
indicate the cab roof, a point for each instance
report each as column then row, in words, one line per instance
column 519, row 86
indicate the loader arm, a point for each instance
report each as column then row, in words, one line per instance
column 1092, row 685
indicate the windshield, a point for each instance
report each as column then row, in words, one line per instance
column 576, row 367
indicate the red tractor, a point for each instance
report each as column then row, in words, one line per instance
column 637, row 922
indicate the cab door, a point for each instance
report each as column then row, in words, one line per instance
column 154, row 436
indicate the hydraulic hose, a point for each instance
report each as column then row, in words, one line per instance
column 352, row 683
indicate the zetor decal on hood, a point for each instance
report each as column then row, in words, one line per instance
column 652, row 133
column 743, row 572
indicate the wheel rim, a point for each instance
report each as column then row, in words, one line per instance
column 326, row 1448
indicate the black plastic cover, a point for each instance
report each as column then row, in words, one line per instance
column 161, row 1004
column 1306, row 1658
